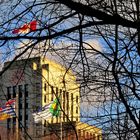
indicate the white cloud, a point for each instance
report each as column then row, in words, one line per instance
column 92, row 44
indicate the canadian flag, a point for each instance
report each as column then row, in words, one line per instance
column 26, row 28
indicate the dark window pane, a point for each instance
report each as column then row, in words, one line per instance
column 20, row 90
column 76, row 99
column 20, row 105
column 20, row 118
column 26, row 105
column 26, row 117
column 26, row 90
column 14, row 120
column 44, row 98
column 45, row 86
column 9, row 92
column 52, row 93
column 14, row 91
column 72, row 107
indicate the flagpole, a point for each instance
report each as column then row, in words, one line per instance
column 61, row 119
column 61, row 127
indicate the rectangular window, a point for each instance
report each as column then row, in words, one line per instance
column 52, row 93
column 26, row 105
column 76, row 109
column 71, row 107
column 14, row 91
column 20, row 118
column 57, row 92
column 64, row 99
column 67, row 103
column 14, row 120
column 77, row 99
column 45, row 86
column 45, row 99
column 20, row 105
column 26, row 117
column 20, row 90
column 8, row 123
column 26, row 90
column 9, row 92
column 45, row 123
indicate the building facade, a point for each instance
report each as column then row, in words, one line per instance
column 35, row 82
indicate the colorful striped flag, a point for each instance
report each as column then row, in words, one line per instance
column 49, row 110
column 26, row 28
column 8, row 110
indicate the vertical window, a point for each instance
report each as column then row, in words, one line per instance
column 45, row 99
column 20, row 105
column 26, row 117
column 67, row 100
column 8, row 123
column 52, row 93
column 20, row 118
column 14, row 120
column 76, row 109
column 45, row 86
column 64, row 100
column 14, row 91
column 72, row 107
column 77, row 99
column 57, row 92
column 67, row 103
column 9, row 92
column 26, row 90
column 45, row 123
column 26, row 105
column 20, row 90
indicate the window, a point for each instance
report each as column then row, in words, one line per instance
column 57, row 92
column 45, row 99
column 26, row 117
column 8, row 123
column 45, row 123
column 20, row 118
column 76, row 109
column 45, row 86
column 77, row 99
column 20, row 105
column 20, row 111
column 14, row 120
column 52, row 93
column 20, row 90
column 72, row 107
column 67, row 100
column 26, row 105
column 26, row 90
column 14, row 91
column 9, row 92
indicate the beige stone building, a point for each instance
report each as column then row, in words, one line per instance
column 35, row 82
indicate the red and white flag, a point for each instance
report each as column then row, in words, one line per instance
column 26, row 28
